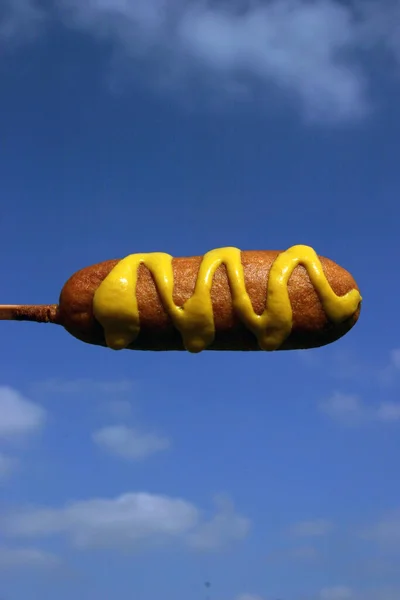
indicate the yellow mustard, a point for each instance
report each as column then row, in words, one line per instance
column 115, row 303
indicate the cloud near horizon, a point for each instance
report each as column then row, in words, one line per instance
column 313, row 53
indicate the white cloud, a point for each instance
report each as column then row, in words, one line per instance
column 346, row 408
column 16, row 558
column 19, row 415
column 224, row 527
column 316, row 52
column 349, row 409
column 388, row 411
column 339, row 592
column 313, row 528
column 7, row 466
column 129, row 520
column 249, row 597
column 300, row 47
column 129, row 443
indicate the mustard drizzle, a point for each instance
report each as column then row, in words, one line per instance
column 115, row 303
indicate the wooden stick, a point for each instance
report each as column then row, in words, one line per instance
column 41, row 313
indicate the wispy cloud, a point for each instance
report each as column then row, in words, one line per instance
column 391, row 371
column 17, row 558
column 134, row 519
column 312, row 528
column 129, row 443
column 304, row 49
column 118, row 409
column 304, row 553
column 379, row 370
column 339, row 592
column 8, row 465
column 83, row 386
column 349, row 409
column 19, row 415
column 20, row 21
column 342, row 364
column 226, row 526
column 344, row 592
column 316, row 53
column 385, row 531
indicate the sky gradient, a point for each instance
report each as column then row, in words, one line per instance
column 180, row 127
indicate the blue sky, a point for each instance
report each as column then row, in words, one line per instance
column 184, row 126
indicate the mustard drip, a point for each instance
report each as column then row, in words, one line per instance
column 115, row 303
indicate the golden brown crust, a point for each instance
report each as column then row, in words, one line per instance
column 311, row 328
column 40, row 313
